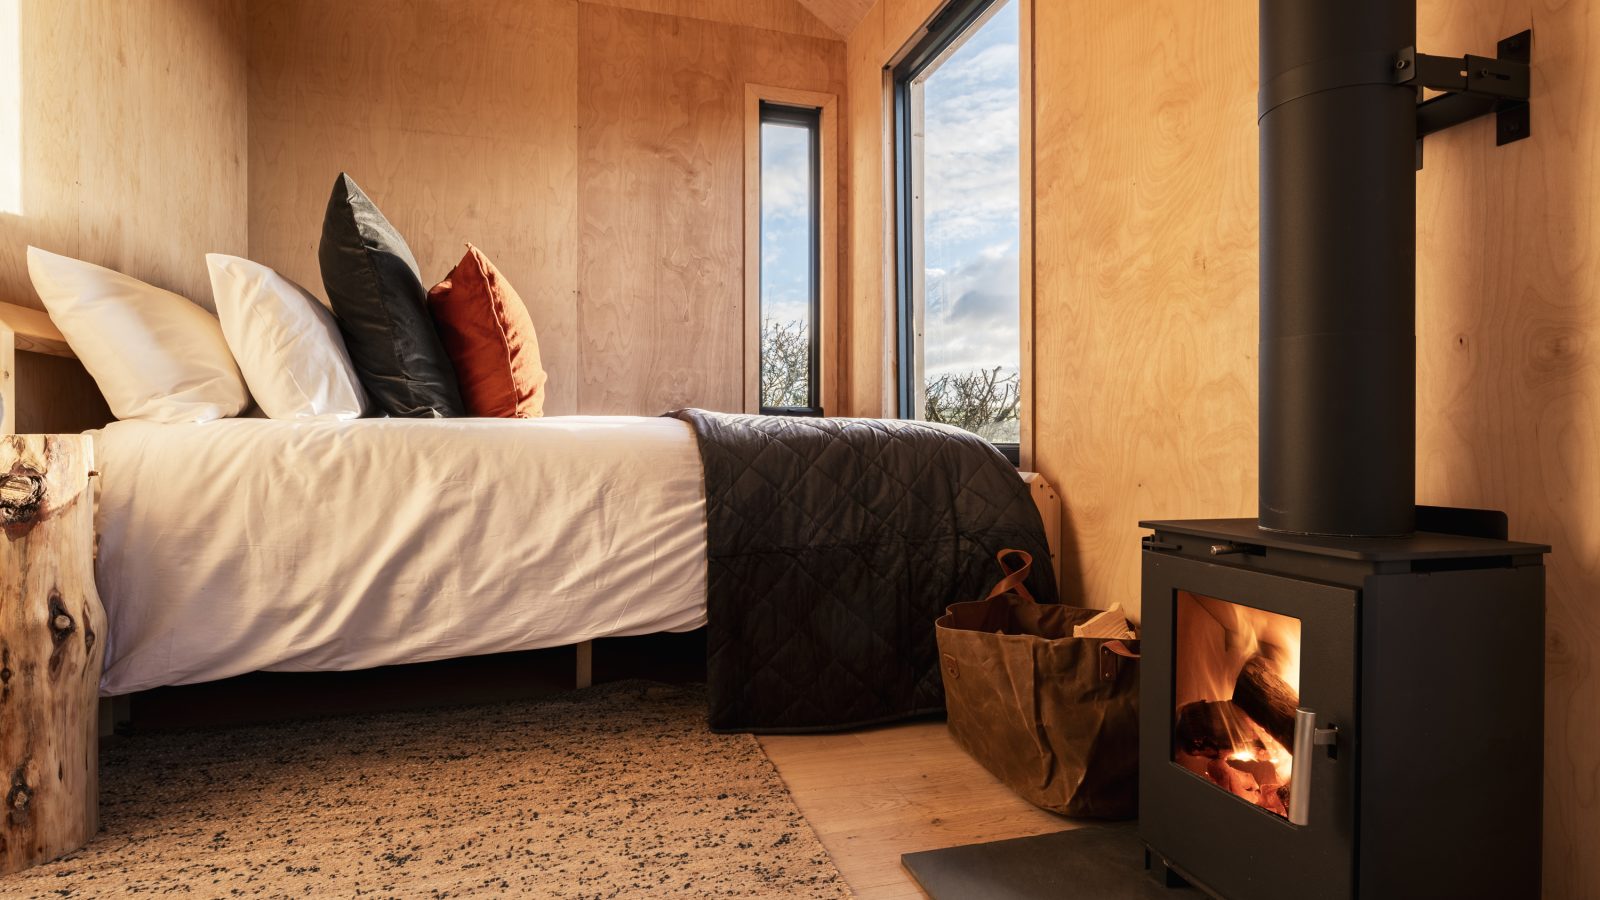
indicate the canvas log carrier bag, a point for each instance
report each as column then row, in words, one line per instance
column 1053, row 716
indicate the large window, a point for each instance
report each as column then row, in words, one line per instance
column 790, row 260
column 958, row 168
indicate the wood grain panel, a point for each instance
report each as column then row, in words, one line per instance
column 887, row 28
column 869, row 366
column 903, row 21
column 56, row 395
column 840, row 15
column 661, row 108
column 133, row 139
column 793, row 16
column 1146, row 274
column 460, row 120
column 1509, row 379
column 43, row 387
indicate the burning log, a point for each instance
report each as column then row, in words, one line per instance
column 1275, row 798
column 1262, row 771
column 1267, row 699
column 1235, row 781
column 1204, row 728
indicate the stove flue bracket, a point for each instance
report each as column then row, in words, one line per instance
column 1473, row 86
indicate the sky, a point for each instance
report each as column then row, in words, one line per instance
column 971, row 218
column 785, row 223
column 971, row 202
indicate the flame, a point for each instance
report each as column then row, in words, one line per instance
column 1268, row 751
column 1215, row 639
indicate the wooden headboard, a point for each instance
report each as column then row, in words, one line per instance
column 43, row 387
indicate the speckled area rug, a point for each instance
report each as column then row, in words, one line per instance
column 615, row 791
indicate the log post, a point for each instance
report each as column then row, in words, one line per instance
column 52, row 630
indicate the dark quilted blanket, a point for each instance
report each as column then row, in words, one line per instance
column 833, row 544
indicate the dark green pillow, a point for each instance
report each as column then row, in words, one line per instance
column 377, row 295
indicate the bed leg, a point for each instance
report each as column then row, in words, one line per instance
column 585, row 673
column 108, row 718
column 116, row 714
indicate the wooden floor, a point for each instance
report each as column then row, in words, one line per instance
column 876, row 794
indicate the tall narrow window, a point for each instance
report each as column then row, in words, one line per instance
column 958, row 161
column 790, row 299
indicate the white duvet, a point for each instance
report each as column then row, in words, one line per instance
column 250, row 544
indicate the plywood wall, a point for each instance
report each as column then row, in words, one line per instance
column 791, row 16
column 1145, row 332
column 132, row 138
column 460, row 120
column 1146, row 249
column 1508, row 332
column 870, row 355
column 661, row 107
column 593, row 150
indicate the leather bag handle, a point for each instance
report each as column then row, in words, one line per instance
column 1014, row 577
column 1112, row 653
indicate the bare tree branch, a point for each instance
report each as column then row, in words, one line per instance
column 982, row 401
column 785, row 363
column 986, row 402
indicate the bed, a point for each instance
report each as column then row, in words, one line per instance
column 816, row 553
column 257, row 545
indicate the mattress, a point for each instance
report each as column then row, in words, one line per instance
column 251, row 544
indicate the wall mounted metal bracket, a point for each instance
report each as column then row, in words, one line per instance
column 1473, row 86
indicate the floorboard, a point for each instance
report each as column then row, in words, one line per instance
column 873, row 795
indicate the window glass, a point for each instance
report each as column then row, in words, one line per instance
column 788, row 259
column 965, row 218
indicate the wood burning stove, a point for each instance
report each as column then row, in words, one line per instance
column 1344, row 697
column 1343, row 717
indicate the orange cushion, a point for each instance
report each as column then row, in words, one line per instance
column 487, row 333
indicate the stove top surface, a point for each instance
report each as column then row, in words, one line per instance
column 1421, row 545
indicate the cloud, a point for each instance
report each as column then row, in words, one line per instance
column 990, row 57
column 971, row 145
column 785, row 173
column 973, row 318
column 972, row 204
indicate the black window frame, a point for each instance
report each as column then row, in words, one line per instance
column 809, row 118
column 945, row 29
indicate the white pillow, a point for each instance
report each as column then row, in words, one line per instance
column 286, row 342
column 154, row 354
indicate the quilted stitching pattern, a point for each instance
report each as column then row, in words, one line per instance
column 833, row 545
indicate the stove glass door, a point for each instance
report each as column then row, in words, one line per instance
column 1236, row 685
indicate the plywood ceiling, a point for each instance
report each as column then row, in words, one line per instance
column 840, row 15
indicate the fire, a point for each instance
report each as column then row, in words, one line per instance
column 1267, row 750
column 1236, row 687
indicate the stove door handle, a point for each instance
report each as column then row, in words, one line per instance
column 1307, row 736
column 1305, row 725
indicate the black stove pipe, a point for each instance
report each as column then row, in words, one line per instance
column 1338, row 268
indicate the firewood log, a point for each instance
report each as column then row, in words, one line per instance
column 1275, row 798
column 1193, row 762
column 52, row 640
column 1262, row 771
column 1202, row 728
column 1234, row 781
column 1266, row 698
